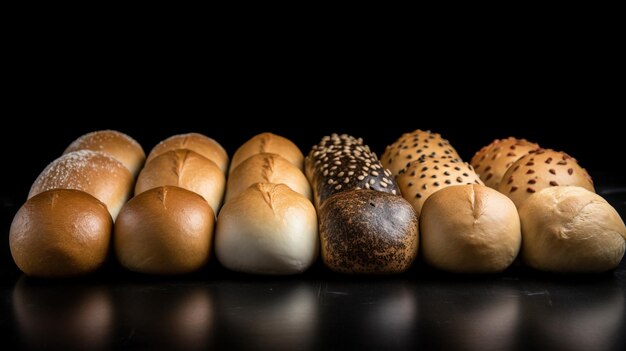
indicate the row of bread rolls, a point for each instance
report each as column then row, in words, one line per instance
column 464, row 226
column 365, row 226
column 268, row 224
column 566, row 227
column 167, row 228
column 467, row 226
column 65, row 226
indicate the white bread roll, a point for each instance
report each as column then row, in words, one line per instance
column 93, row 172
column 570, row 229
column 268, row 143
column 424, row 177
column 119, row 145
column 198, row 143
column 266, row 168
column 469, row 229
column 165, row 230
column 541, row 169
column 60, row 233
column 419, row 144
column 492, row 161
column 186, row 169
column 267, row 229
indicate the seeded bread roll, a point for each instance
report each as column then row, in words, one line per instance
column 268, row 143
column 267, row 229
column 424, row 177
column 267, row 168
column 186, row 169
column 60, row 233
column 342, row 163
column 367, row 231
column 541, row 169
column 165, row 230
column 119, row 145
column 569, row 229
column 198, row 143
column 493, row 160
column 418, row 144
column 93, row 172
column 470, row 229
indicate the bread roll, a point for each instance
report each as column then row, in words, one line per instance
column 93, row 172
column 186, row 169
column 342, row 163
column 271, row 144
column 493, row 160
column 119, row 145
column 470, row 229
column 367, row 231
column 541, row 169
column 60, row 233
column 198, row 143
column 418, row 144
column 570, row 229
column 267, row 168
column 426, row 176
column 267, row 229
column 165, row 230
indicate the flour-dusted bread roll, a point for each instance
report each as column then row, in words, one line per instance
column 268, row 143
column 60, row 233
column 342, row 163
column 426, row 176
column 266, row 168
column 418, row 144
column 493, row 160
column 367, row 231
column 93, row 172
column 572, row 230
column 198, row 143
column 541, row 169
column 469, row 229
column 119, row 145
column 165, row 230
column 267, row 229
column 186, row 169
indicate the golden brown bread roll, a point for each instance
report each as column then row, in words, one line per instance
column 268, row 143
column 119, row 145
column 367, row 231
column 93, row 172
column 424, row 177
column 267, row 229
column 470, row 229
column 572, row 230
column 196, row 142
column 493, row 160
column 186, row 169
column 541, row 169
column 60, row 233
column 267, row 168
column 165, row 230
column 418, row 144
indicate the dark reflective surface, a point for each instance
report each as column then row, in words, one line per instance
column 520, row 309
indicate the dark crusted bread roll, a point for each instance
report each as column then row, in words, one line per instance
column 365, row 231
column 365, row 226
column 341, row 163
